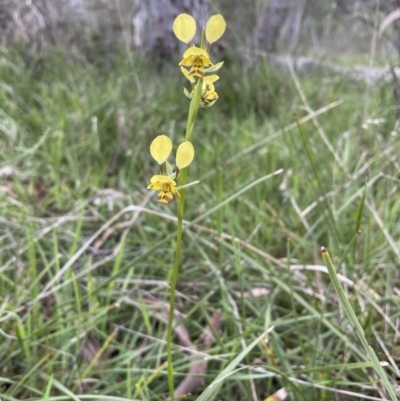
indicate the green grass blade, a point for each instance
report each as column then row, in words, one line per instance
column 356, row 324
column 212, row 390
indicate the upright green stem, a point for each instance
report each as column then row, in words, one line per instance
column 174, row 280
column 193, row 109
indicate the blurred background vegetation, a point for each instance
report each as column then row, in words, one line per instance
column 105, row 27
column 85, row 86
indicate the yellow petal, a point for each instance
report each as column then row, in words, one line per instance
column 175, row 191
column 195, row 51
column 209, row 79
column 165, row 197
column 162, row 179
column 208, row 87
column 211, row 95
column 184, row 154
column 157, row 186
column 184, row 27
column 188, row 61
column 197, row 69
column 185, row 72
column 161, row 148
column 215, row 28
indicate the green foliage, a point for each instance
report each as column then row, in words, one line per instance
column 75, row 139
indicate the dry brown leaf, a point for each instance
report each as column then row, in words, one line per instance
column 90, row 349
column 198, row 364
column 8, row 191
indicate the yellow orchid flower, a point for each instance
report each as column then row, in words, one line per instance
column 160, row 149
column 208, row 89
column 196, row 58
column 166, row 186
